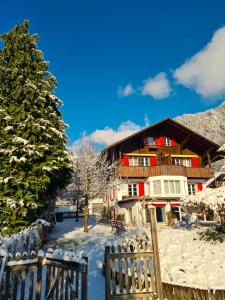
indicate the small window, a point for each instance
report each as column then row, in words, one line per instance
column 133, row 161
column 186, row 162
column 144, row 161
column 151, row 140
column 167, row 141
column 157, row 187
column 132, row 189
column 191, row 189
column 177, row 162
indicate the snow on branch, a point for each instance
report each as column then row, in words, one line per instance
column 210, row 198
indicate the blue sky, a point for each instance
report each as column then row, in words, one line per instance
column 140, row 47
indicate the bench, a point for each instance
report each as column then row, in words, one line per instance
column 117, row 227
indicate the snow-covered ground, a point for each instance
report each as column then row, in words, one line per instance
column 185, row 260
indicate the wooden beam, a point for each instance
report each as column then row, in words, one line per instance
column 209, row 159
column 183, row 143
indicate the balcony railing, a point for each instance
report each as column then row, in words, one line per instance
column 165, row 170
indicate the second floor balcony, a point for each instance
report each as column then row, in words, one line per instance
column 144, row 172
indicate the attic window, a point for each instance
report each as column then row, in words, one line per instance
column 151, row 140
column 167, row 141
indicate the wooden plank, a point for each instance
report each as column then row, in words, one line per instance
column 39, row 278
column 139, row 269
column 66, row 284
column 133, row 275
column 107, row 274
column 146, row 275
column 77, row 285
column 15, row 283
column 55, row 284
column 113, row 269
column 131, row 255
column 134, row 296
column 7, row 284
column 72, row 294
column 23, row 279
column 62, row 286
column 156, row 253
column 152, row 273
column 84, row 282
column 126, row 275
column 120, row 270
column 31, row 285
column 48, row 279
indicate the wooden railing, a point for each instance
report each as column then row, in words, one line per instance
column 165, row 170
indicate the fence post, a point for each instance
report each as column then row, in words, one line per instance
column 156, row 253
column 39, row 275
column 84, row 287
column 107, row 273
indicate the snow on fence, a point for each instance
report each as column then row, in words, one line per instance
column 28, row 240
column 45, row 276
column 189, row 293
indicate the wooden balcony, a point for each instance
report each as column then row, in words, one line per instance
column 141, row 172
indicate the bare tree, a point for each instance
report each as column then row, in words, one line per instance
column 93, row 175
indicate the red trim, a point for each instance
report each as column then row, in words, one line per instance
column 141, row 188
column 126, row 160
column 159, row 141
column 175, row 204
column 158, row 204
column 200, row 187
column 194, row 162
column 153, row 161
column 173, row 143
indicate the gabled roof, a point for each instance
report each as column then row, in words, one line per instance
column 196, row 141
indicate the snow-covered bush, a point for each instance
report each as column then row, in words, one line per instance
column 27, row 240
column 206, row 200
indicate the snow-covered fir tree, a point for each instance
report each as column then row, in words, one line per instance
column 34, row 161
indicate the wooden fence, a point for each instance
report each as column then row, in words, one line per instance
column 43, row 277
column 134, row 273
column 173, row 291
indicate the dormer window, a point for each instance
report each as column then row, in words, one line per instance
column 150, row 140
column 167, row 141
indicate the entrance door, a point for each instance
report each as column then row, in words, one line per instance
column 160, row 214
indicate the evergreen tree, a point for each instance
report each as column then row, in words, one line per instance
column 34, row 161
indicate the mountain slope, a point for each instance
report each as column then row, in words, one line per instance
column 210, row 124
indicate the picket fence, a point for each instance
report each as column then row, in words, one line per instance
column 43, row 277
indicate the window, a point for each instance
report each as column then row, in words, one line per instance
column 186, row 162
column 171, row 187
column 157, row 187
column 167, row 141
column 177, row 162
column 132, row 189
column 144, row 161
column 191, row 189
column 133, row 161
column 151, row 140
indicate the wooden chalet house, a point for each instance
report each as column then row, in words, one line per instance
column 160, row 164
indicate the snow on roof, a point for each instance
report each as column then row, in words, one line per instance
column 216, row 175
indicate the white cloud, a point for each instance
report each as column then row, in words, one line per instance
column 205, row 71
column 146, row 120
column 108, row 136
column 126, row 91
column 157, row 87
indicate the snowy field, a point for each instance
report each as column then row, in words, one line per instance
column 185, row 260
